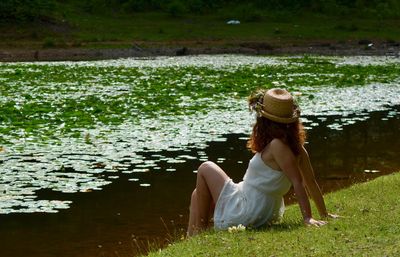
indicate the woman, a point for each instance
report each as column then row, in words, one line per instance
column 280, row 161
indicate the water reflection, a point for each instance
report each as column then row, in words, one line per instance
column 126, row 215
column 360, row 151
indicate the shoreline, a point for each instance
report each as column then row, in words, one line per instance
column 362, row 48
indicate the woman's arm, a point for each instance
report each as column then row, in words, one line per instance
column 310, row 182
column 286, row 160
column 312, row 185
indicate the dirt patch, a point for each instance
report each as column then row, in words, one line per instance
column 145, row 49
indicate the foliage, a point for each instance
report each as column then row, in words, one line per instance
column 92, row 6
column 248, row 12
column 176, row 8
column 25, row 10
column 135, row 5
column 49, row 42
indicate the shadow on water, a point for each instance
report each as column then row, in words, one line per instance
column 124, row 218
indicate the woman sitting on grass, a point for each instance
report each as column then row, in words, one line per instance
column 280, row 161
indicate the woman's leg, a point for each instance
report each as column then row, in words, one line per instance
column 210, row 181
column 192, row 228
column 193, row 214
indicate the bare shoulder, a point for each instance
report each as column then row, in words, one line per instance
column 278, row 145
column 279, row 148
column 284, row 158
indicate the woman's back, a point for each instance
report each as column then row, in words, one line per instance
column 265, row 179
column 254, row 201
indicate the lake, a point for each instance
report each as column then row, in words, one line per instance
column 99, row 158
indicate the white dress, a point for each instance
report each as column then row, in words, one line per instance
column 255, row 201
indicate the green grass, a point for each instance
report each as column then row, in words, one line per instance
column 118, row 30
column 370, row 227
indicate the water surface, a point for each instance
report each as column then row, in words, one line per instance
column 137, row 208
column 99, row 158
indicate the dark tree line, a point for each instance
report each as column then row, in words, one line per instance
column 389, row 7
column 27, row 10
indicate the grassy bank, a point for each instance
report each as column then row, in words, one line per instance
column 79, row 29
column 370, row 227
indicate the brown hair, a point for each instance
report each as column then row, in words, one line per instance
column 265, row 130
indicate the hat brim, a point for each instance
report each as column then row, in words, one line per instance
column 278, row 119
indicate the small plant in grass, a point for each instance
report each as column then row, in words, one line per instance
column 76, row 43
column 49, row 42
column 249, row 13
column 176, row 8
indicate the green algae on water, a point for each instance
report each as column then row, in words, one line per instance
column 74, row 126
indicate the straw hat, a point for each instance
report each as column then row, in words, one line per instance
column 278, row 106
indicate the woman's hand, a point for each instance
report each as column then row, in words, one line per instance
column 313, row 222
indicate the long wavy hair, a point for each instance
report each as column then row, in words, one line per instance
column 265, row 130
